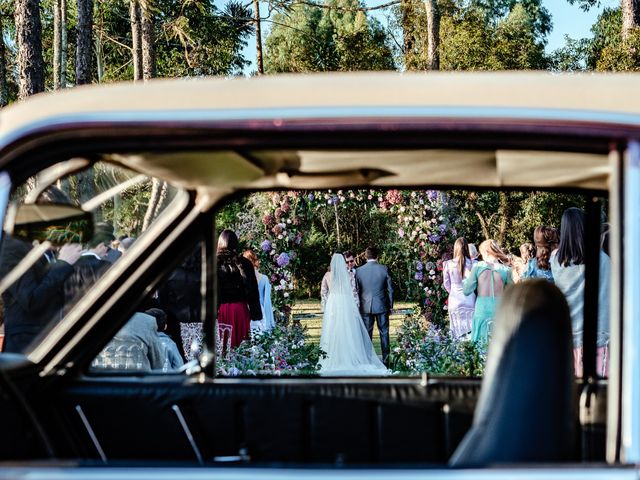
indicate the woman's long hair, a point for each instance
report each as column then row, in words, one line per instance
column 228, row 242
column 492, row 247
column 546, row 240
column 461, row 254
column 571, row 249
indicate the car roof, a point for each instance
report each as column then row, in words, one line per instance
column 503, row 97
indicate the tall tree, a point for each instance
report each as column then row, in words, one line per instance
column 630, row 17
column 338, row 37
column 57, row 43
column 259, row 57
column 433, row 34
column 29, row 42
column 136, row 38
column 147, row 40
column 84, row 30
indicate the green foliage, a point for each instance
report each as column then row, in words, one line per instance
column 281, row 351
column 493, row 35
column 426, row 348
column 510, row 218
column 309, row 39
column 193, row 38
column 571, row 57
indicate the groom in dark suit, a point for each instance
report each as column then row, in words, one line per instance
column 376, row 298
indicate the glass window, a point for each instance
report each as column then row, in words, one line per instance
column 63, row 232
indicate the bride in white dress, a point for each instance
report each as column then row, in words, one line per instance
column 344, row 337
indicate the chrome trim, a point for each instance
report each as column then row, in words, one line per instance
column 91, row 433
column 616, row 189
column 145, row 118
column 187, row 432
column 630, row 418
column 5, row 192
column 314, row 473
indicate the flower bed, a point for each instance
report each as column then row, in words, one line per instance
column 427, row 348
column 281, row 351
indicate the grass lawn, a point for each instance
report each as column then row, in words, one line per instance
column 309, row 314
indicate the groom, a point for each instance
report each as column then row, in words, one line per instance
column 376, row 297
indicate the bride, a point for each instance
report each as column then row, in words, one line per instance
column 344, row 337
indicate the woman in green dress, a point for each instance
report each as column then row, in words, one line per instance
column 488, row 279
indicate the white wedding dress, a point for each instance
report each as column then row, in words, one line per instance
column 344, row 337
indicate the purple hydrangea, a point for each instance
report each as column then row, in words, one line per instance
column 419, row 276
column 443, row 228
column 419, row 266
column 432, row 195
column 434, row 238
column 266, row 246
column 311, row 197
column 283, row 259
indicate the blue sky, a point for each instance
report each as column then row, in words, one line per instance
column 567, row 20
column 570, row 20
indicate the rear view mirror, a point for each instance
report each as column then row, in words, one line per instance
column 57, row 223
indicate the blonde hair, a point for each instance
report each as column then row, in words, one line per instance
column 493, row 248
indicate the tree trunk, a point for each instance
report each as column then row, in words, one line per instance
column 99, row 58
column 148, row 42
column 153, row 203
column 134, row 14
column 57, row 43
column 29, row 41
column 407, row 33
column 433, row 34
column 64, row 46
column 83, row 43
column 4, row 92
column 503, row 213
column 630, row 16
column 162, row 198
column 259, row 62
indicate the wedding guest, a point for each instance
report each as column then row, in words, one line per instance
column 519, row 263
column 546, row 241
column 179, row 296
column 473, row 252
column 171, row 359
column 264, row 289
column 90, row 266
column 567, row 266
column 459, row 305
column 350, row 259
column 238, row 297
column 488, row 279
column 37, row 297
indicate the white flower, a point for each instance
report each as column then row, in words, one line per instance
column 291, row 286
column 402, row 209
column 283, row 281
column 272, row 252
column 288, row 220
column 280, row 237
column 286, row 294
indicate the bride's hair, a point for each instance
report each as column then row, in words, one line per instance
column 461, row 254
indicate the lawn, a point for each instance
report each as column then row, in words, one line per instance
column 309, row 314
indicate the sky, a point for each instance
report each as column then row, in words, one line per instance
column 567, row 20
column 571, row 20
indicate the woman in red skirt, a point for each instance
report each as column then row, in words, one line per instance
column 238, row 298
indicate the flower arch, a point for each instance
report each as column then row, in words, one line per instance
column 424, row 229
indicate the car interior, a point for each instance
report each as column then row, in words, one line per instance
column 527, row 409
